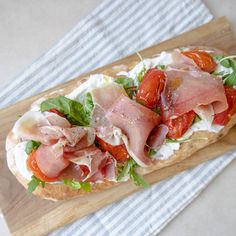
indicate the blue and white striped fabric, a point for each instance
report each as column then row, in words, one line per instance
column 111, row 31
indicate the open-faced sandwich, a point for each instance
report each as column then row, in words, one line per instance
column 111, row 129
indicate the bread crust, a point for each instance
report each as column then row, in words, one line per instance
column 60, row 191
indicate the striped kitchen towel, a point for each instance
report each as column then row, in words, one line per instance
column 111, row 31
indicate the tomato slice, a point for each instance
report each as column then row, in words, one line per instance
column 150, row 88
column 203, row 59
column 32, row 165
column 177, row 127
column 224, row 117
column 53, row 110
column 119, row 152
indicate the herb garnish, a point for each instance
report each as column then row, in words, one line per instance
column 152, row 152
column 73, row 110
column 162, row 67
column 168, row 140
column 141, row 74
column 196, row 119
column 227, row 62
column 88, row 104
column 129, row 167
column 77, row 185
column 31, row 145
column 34, row 183
column 128, row 85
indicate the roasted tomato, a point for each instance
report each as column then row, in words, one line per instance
column 177, row 127
column 32, row 165
column 150, row 88
column 203, row 59
column 224, row 117
column 53, row 110
column 118, row 152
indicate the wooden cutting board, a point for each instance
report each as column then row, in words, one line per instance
column 29, row 215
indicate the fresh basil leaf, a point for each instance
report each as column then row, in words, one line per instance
column 88, row 104
column 31, row 145
column 221, row 73
column 73, row 110
column 126, row 82
column 152, row 152
column 34, row 183
column 226, row 63
column 123, row 171
column 217, row 58
column 230, row 79
column 77, row 185
column 233, row 64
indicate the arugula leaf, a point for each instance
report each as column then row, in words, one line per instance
column 123, row 171
column 168, row 140
column 77, row 185
column 151, row 152
column 196, row 119
column 138, row 179
column 34, row 183
column 162, row 67
column 31, row 145
column 125, row 81
column 73, row 110
column 129, row 167
column 128, row 85
column 141, row 74
column 85, row 186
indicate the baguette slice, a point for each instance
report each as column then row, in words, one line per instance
column 60, row 191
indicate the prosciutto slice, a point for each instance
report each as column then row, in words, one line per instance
column 187, row 89
column 50, row 159
column 90, row 164
column 57, row 137
column 134, row 120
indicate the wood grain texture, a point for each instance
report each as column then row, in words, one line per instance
column 29, row 215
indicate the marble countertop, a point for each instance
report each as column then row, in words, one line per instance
column 25, row 35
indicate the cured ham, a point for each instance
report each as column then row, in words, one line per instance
column 49, row 128
column 157, row 136
column 90, row 164
column 56, row 135
column 50, row 159
column 134, row 120
column 187, row 89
